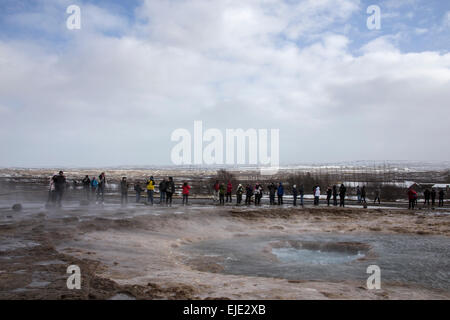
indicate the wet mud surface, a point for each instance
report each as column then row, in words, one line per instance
column 209, row 252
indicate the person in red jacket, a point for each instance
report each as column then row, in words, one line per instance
column 216, row 188
column 229, row 190
column 412, row 196
column 186, row 188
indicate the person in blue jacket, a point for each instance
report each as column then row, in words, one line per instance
column 280, row 193
column 94, row 185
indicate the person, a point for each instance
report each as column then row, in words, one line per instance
column 426, row 195
column 301, row 191
column 59, row 182
column 170, row 191
column 239, row 192
column 150, row 190
column 51, row 191
column 441, row 198
column 334, row 195
column 124, row 191
column 162, row 191
column 329, row 193
column 216, row 188
column 433, row 197
column 229, row 190
column 101, row 187
column 248, row 194
column 316, row 196
column 358, row 194
column 94, row 185
column 280, row 193
column 138, row 189
column 272, row 190
column 222, row 194
column 377, row 196
column 363, row 195
column 258, row 194
column 342, row 191
column 186, row 188
column 86, row 186
column 295, row 194
column 412, row 196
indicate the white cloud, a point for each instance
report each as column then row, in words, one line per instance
column 115, row 100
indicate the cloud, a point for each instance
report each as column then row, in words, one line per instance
column 116, row 90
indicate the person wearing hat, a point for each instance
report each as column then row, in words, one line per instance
column 294, row 194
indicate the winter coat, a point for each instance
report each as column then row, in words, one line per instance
column 272, row 190
column 412, row 194
column 301, row 190
column 59, row 181
column 124, row 186
column 163, row 186
column 186, row 189
column 280, row 190
column 317, row 192
column 101, row 181
column 433, row 194
column 150, row 185
column 170, row 187
column 342, row 191
column 86, row 182
column 229, row 188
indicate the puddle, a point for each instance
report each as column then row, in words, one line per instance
column 38, row 284
column 49, row 262
column 122, row 296
column 305, row 256
column 14, row 244
column 39, row 280
column 419, row 260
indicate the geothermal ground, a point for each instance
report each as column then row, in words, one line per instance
column 211, row 252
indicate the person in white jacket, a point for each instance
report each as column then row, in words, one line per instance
column 316, row 196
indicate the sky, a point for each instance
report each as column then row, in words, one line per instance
column 112, row 92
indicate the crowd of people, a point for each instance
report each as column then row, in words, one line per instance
column 413, row 197
column 94, row 188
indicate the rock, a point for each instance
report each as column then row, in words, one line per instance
column 17, row 207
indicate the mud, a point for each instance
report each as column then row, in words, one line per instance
column 140, row 252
